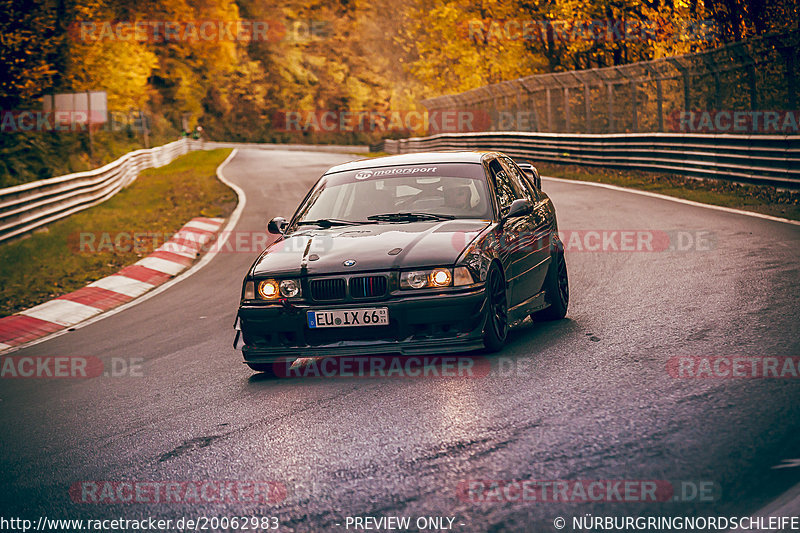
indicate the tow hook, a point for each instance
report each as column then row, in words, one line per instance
column 289, row 306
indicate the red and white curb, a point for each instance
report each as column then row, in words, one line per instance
column 170, row 259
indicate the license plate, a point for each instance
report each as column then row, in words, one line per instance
column 343, row 318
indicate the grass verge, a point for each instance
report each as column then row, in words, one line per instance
column 49, row 262
column 758, row 198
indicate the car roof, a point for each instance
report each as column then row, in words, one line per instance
column 420, row 158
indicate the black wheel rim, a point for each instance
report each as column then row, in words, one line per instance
column 563, row 283
column 499, row 313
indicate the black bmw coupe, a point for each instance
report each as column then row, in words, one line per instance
column 432, row 252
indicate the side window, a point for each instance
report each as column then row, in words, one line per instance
column 528, row 190
column 507, row 190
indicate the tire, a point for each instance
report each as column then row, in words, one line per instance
column 495, row 331
column 556, row 287
column 267, row 369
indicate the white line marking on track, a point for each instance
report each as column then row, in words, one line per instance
column 62, row 312
column 201, row 225
column 162, row 265
column 123, row 285
column 674, row 199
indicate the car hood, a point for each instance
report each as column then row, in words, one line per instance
column 372, row 247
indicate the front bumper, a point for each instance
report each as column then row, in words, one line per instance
column 418, row 324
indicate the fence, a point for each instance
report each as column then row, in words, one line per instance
column 762, row 159
column 652, row 96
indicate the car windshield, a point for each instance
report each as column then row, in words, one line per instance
column 399, row 194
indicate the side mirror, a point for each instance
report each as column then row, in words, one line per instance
column 519, row 208
column 532, row 173
column 277, row 225
column 537, row 179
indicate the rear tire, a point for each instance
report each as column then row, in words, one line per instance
column 495, row 331
column 556, row 287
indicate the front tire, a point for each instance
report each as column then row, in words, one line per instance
column 495, row 331
column 556, row 287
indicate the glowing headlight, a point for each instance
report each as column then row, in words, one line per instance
column 426, row 279
column 268, row 289
column 290, row 288
column 440, row 277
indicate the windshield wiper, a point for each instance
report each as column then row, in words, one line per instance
column 409, row 217
column 328, row 222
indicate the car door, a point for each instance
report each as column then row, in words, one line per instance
column 533, row 263
column 512, row 231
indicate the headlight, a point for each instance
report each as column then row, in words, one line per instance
column 268, row 289
column 290, row 288
column 413, row 280
column 272, row 289
column 441, row 277
column 426, row 279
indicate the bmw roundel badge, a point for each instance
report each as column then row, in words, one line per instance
column 349, row 262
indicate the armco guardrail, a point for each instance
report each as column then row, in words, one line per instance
column 23, row 208
column 26, row 207
column 762, row 159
